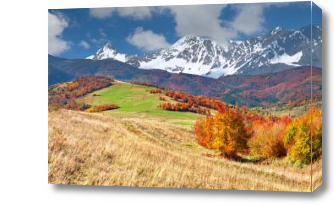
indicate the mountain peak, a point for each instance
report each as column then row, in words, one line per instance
column 314, row 29
column 108, row 46
column 187, row 39
column 276, row 30
column 190, row 37
column 318, row 27
column 107, row 52
column 313, row 26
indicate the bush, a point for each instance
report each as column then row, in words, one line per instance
column 155, row 91
column 102, row 108
column 184, row 107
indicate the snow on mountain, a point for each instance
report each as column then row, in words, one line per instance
column 277, row 50
column 190, row 54
column 287, row 59
column 107, row 52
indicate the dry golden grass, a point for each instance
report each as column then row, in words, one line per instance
column 101, row 149
column 317, row 174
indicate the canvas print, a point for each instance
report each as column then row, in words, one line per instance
column 225, row 96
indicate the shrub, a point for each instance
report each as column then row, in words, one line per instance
column 155, row 91
column 184, row 107
column 102, row 108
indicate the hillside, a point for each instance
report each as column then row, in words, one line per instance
column 253, row 90
column 103, row 149
column 285, row 87
column 57, row 76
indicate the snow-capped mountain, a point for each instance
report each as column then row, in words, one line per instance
column 190, row 54
column 108, row 52
column 277, row 50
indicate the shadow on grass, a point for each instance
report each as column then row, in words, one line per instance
column 241, row 159
column 251, row 160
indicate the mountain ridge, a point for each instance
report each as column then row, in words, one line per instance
column 274, row 51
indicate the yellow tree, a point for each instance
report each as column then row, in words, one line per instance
column 298, row 137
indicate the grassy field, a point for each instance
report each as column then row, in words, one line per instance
column 102, row 149
column 136, row 101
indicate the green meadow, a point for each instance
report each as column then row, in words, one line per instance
column 137, row 100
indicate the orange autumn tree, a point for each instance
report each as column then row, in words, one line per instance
column 225, row 132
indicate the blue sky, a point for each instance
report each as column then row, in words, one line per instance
column 78, row 33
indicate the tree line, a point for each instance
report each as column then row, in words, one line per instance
column 234, row 131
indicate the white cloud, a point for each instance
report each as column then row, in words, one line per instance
column 250, row 17
column 84, row 44
column 137, row 13
column 147, row 40
column 101, row 12
column 102, row 39
column 202, row 20
column 99, row 41
column 56, row 25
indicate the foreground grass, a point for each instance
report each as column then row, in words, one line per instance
column 317, row 174
column 104, row 149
